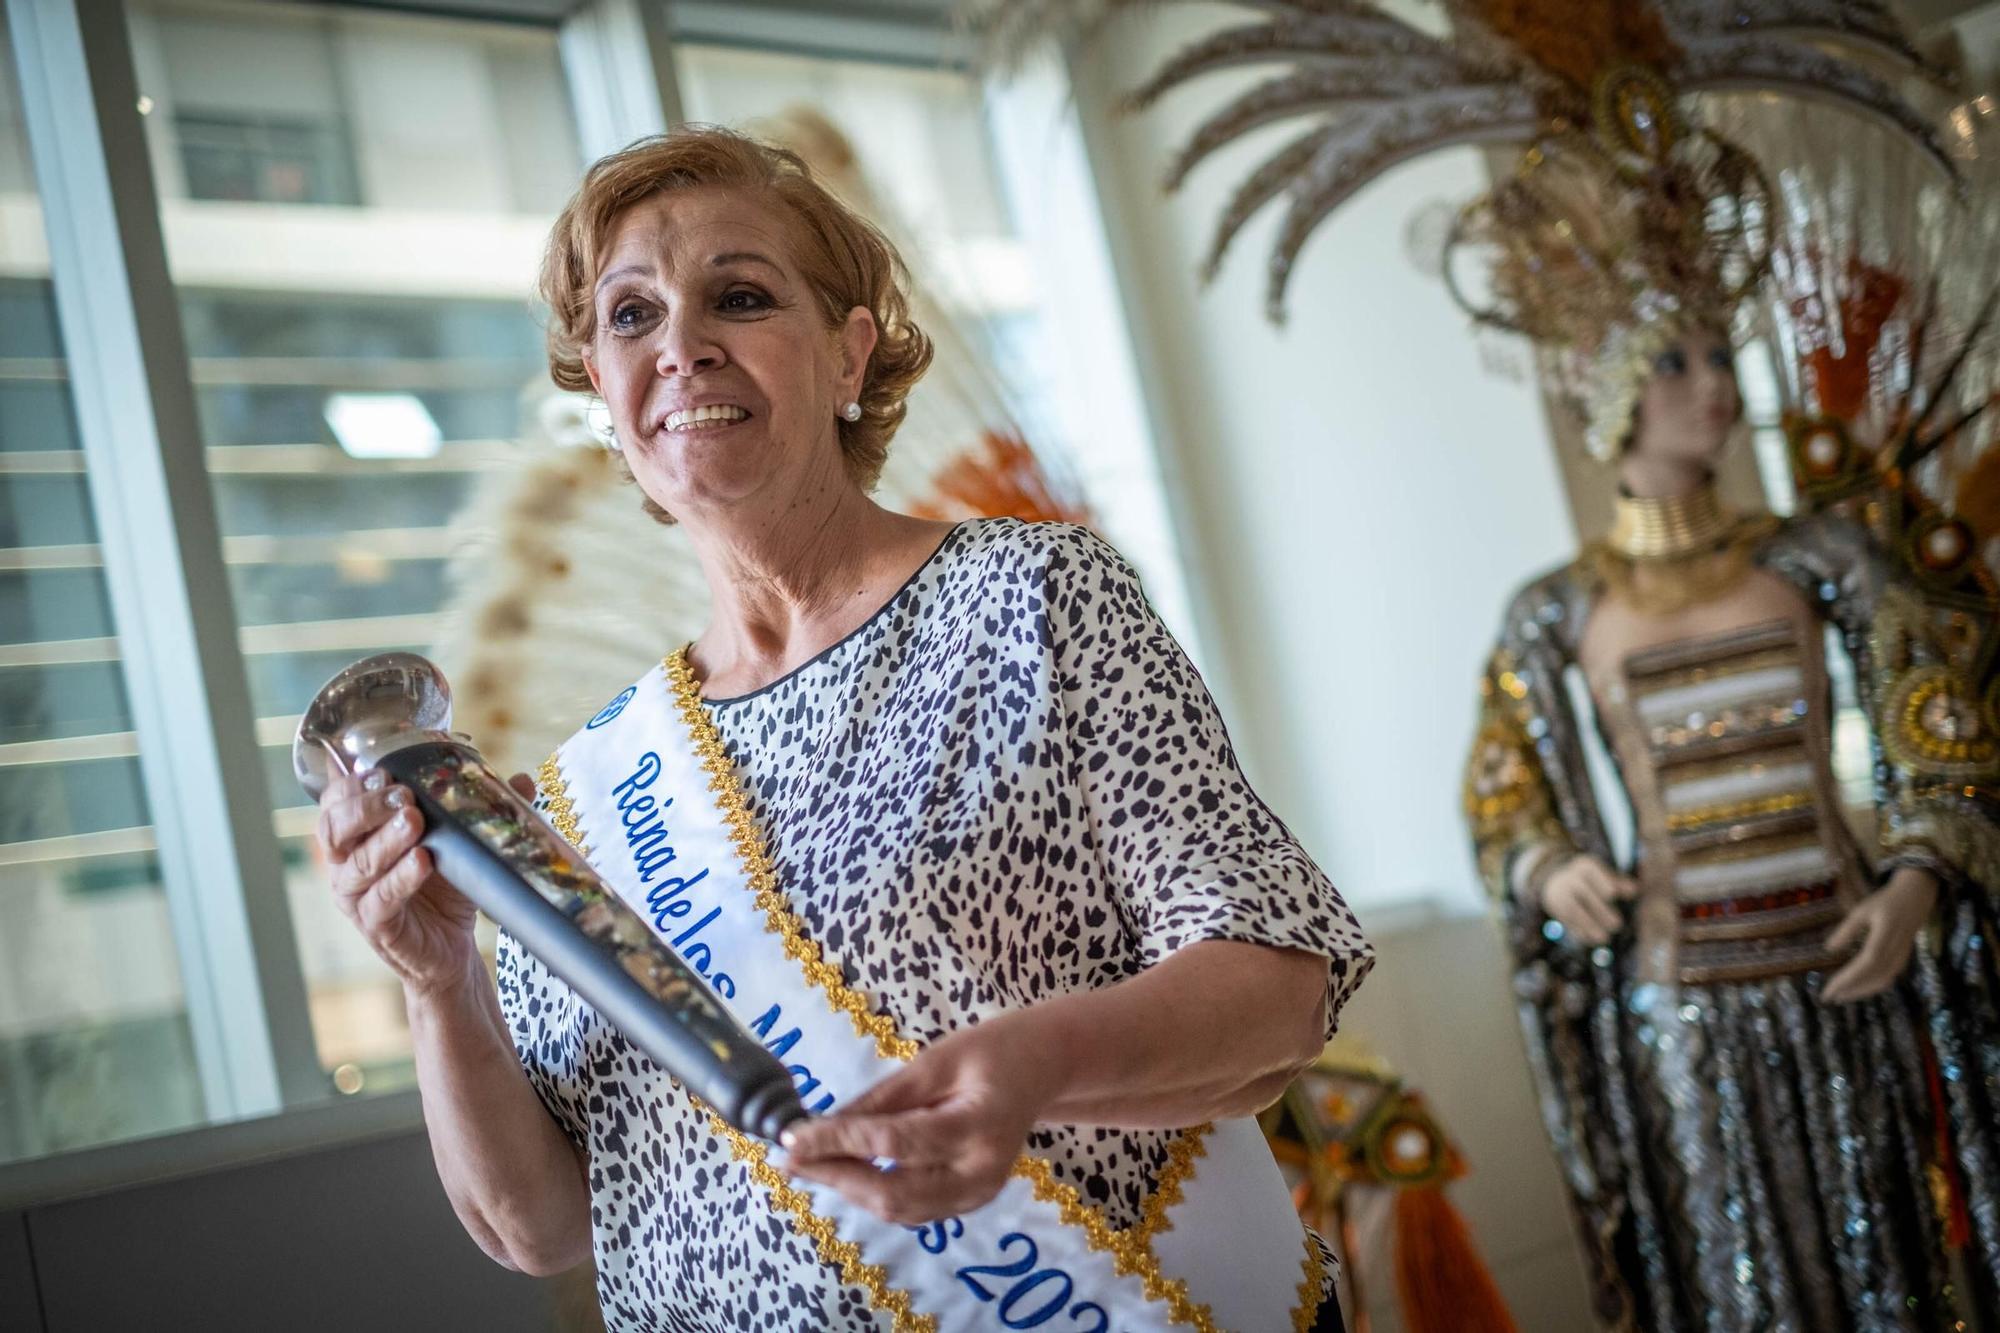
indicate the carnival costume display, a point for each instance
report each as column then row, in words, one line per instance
column 1740, row 1153
column 1743, row 1153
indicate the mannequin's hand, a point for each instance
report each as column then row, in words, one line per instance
column 1583, row 894
column 1885, row 925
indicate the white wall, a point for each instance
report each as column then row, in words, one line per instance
column 1357, row 493
column 1090, row 362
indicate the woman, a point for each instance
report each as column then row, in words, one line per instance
column 991, row 791
column 1763, row 1106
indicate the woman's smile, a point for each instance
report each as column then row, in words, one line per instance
column 714, row 416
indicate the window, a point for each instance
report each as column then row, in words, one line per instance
column 920, row 136
column 353, row 205
column 267, row 159
column 94, row 1037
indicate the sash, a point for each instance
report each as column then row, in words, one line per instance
column 648, row 795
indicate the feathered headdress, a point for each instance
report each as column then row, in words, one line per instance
column 1605, row 255
column 1882, row 311
column 1624, row 221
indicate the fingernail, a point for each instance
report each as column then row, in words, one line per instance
column 376, row 777
column 788, row 1139
column 398, row 797
column 408, row 819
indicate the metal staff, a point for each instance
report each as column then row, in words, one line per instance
column 393, row 712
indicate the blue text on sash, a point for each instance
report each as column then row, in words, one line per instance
column 777, row 1046
column 642, row 817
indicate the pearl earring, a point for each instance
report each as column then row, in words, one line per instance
column 852, row 412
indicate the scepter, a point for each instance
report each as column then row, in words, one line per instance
column 392, row 713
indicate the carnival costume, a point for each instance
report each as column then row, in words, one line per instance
column 1739, row 1154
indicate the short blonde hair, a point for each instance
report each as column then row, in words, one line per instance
column 845, row 259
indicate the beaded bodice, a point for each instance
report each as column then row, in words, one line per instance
column 1744, row 861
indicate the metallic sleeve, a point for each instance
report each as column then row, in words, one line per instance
column 1508, row 804
column 1938, row 782
column 1917, row 663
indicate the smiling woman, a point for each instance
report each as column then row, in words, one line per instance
column 619, row 260
column 951, row 814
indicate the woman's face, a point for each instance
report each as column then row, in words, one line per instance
column 721, row 377
column 1689, row 404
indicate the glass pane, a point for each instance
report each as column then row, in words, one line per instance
column 354, row 206
column 920, row 137
column 94, row 1040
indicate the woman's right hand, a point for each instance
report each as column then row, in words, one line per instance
column 513, row 1177
column 388, row 886
column 1583, row 894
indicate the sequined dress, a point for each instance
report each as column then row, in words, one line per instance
column 1740, row 1155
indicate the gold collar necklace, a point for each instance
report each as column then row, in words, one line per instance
column 1672, row 527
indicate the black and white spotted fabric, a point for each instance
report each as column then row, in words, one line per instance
column 1007, row 785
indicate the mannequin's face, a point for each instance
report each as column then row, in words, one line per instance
column 1689, row 405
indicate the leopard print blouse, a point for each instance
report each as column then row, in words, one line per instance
column 1007, row 785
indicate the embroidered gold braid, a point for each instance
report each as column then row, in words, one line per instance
column 1736, row 813
column 845, row 1255
column 1306, row 1313
column 1130, row 1254
column 555, row 790
column 1167, row 1190
column 825, row 976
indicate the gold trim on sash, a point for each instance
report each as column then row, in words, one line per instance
column 1131, row 1250
column 1306, row 1313
column 834, row 1252
column 1167, row 1190
column 826, row 977
column 562, row 812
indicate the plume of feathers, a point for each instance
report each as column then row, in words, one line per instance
column 1882, row 307
column 1376, row 90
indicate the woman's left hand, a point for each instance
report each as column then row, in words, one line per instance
column 952, row 1122
column 1885, row 925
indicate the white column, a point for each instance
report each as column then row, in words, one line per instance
column 183, row 673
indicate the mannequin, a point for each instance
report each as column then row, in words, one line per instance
column 1736, row 1032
